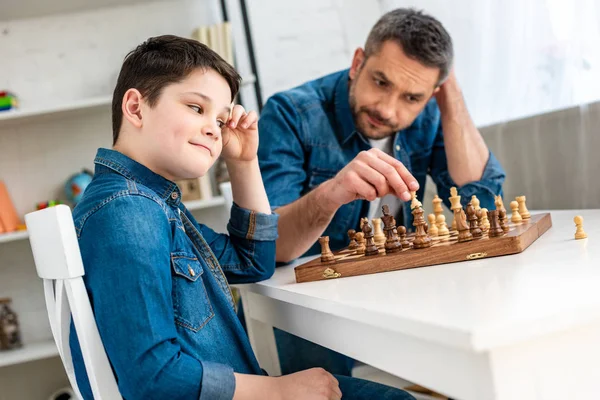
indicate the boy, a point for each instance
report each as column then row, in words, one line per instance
column 156, row 278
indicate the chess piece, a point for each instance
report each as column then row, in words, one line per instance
column 10, row 335
column 475, row 201
column 403, row 241
column 326, row 254
column 485, row 222
column 433, row 229
column 515, row 217
column 500, row 206
column 378, row 234
column 392, row 244
column 415, row 202
column 579, row 233
column 360, row 239
column 370, row 247
column 473, row 222
column 422, row 240
column 503, row 220
column 353, row 243
column 523, row 212
column 437, row 206
column 495, row 229
column 454, row 205
column 441, row 224
column 464, row 235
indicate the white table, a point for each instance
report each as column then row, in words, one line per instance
column 525, row 326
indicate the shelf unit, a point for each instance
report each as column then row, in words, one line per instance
column 29, row 352
column 190, row 205
column 68, row 110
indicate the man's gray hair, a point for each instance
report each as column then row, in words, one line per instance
column 421, row 37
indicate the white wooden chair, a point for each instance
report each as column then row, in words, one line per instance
column 58, row 262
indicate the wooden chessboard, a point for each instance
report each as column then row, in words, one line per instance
column 443, row 250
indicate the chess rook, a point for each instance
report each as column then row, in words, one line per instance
column 379, row 236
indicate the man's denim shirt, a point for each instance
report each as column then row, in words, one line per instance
column 158, row 284
column 307, row 135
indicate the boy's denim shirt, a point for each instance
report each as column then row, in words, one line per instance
column 158, row 284
column 307, row 135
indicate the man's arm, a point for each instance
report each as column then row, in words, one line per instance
column 370, row 175
column 466, row 150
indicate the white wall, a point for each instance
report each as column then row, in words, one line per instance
column 514, row 58
column 299, row 41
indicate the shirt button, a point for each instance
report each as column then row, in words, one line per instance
column 397, row 147
column 192, row 273
column 174, row 195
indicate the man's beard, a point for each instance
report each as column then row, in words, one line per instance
column 386, row 130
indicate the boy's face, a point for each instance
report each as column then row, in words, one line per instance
column 183, row 130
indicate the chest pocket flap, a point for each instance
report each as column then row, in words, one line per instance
column 192, row 307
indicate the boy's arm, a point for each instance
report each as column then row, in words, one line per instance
column 128, row 276
column 248, row 254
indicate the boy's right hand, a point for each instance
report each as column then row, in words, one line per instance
column 310, row 384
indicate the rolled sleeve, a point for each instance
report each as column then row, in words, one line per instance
column 485, row 189
column 218, row 382
column 252, row 225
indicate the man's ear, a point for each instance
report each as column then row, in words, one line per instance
column 357, row 62
column 132, row 107
column 435, row 91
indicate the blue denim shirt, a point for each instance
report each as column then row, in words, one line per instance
column 158, row 284
column 307, row 135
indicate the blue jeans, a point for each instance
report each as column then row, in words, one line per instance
column 359, row 389
column 297, row 354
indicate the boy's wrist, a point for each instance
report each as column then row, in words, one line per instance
column 241, row 163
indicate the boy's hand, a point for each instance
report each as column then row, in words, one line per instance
column 311, row 384
column 240, row 135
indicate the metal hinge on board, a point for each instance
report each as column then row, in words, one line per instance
column 474, row 256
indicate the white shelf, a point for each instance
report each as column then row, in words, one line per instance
column 14, row 117
column 200, row 204
column 71, row 109
column 191, row 205
column 29, row 352
column 13, row 236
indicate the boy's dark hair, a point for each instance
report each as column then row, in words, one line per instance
column 421, row 37
column 161, row 61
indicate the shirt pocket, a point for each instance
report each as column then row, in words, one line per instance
column 192, row 307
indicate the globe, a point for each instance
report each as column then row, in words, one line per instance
column 76, row 185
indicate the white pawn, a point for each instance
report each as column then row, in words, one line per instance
column 441, row 224
column 433, row 229
column 378, row 236
column 515, row 217
column 475, row 202
column 579, row 233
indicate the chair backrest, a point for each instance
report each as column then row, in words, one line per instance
column 58, row 262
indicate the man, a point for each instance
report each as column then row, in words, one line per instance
column 336, row 149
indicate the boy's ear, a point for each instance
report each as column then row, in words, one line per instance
column 131, row 107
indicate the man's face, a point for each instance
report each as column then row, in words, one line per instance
column 388, row 90
column 184, row 126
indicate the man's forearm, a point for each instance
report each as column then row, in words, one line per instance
column 466, row 150
column 302, row 222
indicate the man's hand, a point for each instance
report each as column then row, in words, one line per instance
column 240, row 135
column 311, row 384
column 371, row 174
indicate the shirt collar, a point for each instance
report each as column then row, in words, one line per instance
column 131, row 169
column 343, row 113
